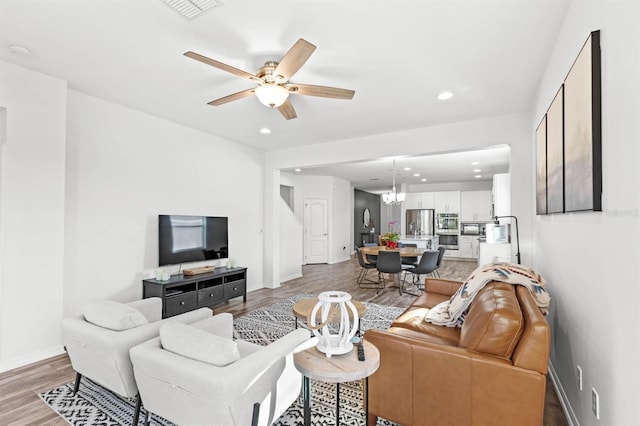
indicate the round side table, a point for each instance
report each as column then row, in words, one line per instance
column 315, row 365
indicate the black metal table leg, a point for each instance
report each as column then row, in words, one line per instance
column 306, row 392
column 337, row 404
column 366, row 397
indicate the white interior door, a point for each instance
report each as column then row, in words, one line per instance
column 316, row 245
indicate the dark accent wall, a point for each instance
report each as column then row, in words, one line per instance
column 361, row 201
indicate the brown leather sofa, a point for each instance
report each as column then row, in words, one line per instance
column 492, row 371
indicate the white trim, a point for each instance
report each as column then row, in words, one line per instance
column 31, row 358
column 562, row 396
column 290, row 277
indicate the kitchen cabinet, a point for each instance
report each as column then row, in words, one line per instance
column 469, row 247
column 465, row 243
column 475, row 206
column 447, row 202
column 501, row 194
column 419, row 200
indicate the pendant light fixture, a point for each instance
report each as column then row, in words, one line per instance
column 393, row 197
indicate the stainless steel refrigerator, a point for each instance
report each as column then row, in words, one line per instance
column 420, row 222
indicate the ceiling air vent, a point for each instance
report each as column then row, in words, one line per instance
column 192, row 8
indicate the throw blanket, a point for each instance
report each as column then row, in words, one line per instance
column 451, row 312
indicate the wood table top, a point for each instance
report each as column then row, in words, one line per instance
column 303, row 308
column 404, row 251
column 339, row 368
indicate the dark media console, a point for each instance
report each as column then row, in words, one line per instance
column 184, row 293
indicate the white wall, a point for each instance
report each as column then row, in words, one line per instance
column 32, row 166
column 512, row 130
column 342, row 220
column 590, row 259
column 339, row 195
column 123, row 169
column 291, row 234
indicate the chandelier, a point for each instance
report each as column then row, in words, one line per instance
column 393, row 197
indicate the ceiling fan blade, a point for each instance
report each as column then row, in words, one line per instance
column 220, row 65
column 287, row 111
column 294, row 59
column 232, row 97
column 321, row 91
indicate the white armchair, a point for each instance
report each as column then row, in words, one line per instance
column 102, row 354
column 191, row 392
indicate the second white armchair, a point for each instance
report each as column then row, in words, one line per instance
column 198, row 375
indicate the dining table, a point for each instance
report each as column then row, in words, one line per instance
column 404, row 251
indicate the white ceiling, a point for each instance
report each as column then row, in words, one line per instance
column 456, row 167
column 396, row 55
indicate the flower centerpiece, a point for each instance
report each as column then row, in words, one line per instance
column 391, row 237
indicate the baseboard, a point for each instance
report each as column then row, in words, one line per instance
column 31, row 358
column 562, row 396
column 291, row 277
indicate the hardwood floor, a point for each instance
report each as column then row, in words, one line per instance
column 19, row 388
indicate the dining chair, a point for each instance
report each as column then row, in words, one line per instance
column 371, row 258
column 406, row 260
column 441, row 251
column 427, row 265
column 389, row 262
column 362, row 280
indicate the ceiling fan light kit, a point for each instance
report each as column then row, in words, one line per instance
column 272, row 95
column 273, row 80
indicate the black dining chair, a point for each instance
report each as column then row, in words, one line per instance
column 362, row 280
column 427, row 265
column 371, row 258
column 406, row 260
column 441, row 251
column 389, row 262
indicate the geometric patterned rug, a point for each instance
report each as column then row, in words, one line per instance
column 94, row 405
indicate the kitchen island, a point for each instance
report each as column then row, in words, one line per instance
column 422, row 241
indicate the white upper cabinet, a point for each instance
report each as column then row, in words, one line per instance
column 475, row 206
column 419, row 200
column 412, row 200
column 447, row 202
column 502, row 194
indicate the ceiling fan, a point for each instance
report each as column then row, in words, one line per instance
column 273, row 80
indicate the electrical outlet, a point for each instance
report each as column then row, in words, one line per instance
column 595, row 403
column 579, row 377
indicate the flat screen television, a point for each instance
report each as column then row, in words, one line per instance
column 184, row 239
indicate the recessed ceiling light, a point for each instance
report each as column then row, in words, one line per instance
column 477, row 170
column 265, row 131
column 423, row 180
column 443, row 96
column 407, row 168
column 478, row 176
column 298, row 170
column 416, row 174
column 475, row 163
column 19, row 50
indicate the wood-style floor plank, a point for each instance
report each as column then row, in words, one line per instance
column 19, row 388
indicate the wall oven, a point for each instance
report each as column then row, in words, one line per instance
column 448, row 241
column 447, row 223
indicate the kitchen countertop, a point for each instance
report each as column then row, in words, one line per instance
column 417, row 237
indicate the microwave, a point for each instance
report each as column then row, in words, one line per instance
column 472, row 229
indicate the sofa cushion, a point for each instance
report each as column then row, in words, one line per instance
column 194, row 343
column 113, row 315
column 494, row 322
column 413, row 319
